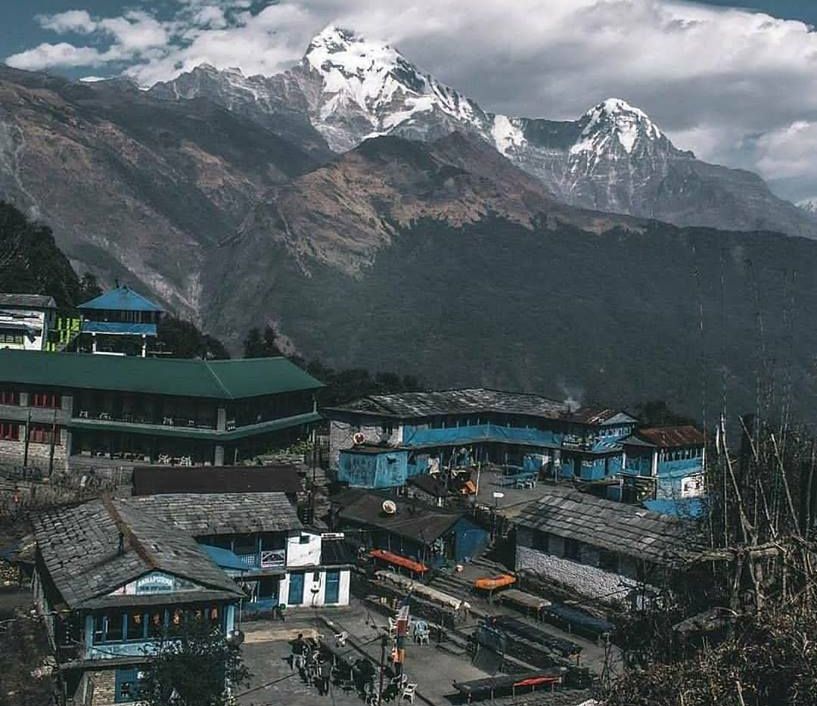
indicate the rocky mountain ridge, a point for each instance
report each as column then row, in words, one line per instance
column 612, row 158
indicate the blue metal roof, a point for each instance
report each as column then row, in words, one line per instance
column 223, row 557
column 119, row 328
column 121, row 299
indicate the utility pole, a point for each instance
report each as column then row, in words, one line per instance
column 383, row 642
column 53, row 442
column 25, row 445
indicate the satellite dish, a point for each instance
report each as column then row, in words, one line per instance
column 358, row 438
column 389, row 507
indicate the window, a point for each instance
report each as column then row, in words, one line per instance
column 108, row 627
column 49, row 400
column 41, row 434
column 387, row 428
column 571, row 549
column 156, row 623
column 541, row 541
column 608, row 561
column 136, row 626
column 9, row 397
column 9, row 431
column 13, row 337
column 126, row 684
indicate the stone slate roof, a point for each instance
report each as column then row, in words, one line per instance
column 618, row 527
column 413, row 520
column 466, row 401
column 201, row 515
column 213, row 379
column 27, row 301
column 79, row 547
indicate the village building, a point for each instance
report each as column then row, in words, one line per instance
column 119, row 322
column 664, row 463
column 597, row 548
column 26, row 321
column 258, row 539
column 114, row 577
column 158, row 480
column 381, row 441
column 110, row 582
column 397, row 528
column 73, row 409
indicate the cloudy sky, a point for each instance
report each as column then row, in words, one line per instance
column 736, row 85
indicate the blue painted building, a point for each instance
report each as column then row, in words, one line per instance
column 258, row 540
column 111, row 582
column 383, row 440
column 119, row 321
column 408, row 528
column 664, row 463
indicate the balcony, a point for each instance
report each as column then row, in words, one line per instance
column 267, row 559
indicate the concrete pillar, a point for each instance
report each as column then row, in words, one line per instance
column 221, row 419
column 144, row 346
column 93, row 343
column 24, row 402
column 218, row 458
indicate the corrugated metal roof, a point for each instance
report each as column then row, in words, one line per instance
column 614, row 526
column 121, row 299
column 217, row 379
column 27, row 301
column 118, row 328
column 669, row 437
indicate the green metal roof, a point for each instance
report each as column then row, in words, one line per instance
column 215, row 379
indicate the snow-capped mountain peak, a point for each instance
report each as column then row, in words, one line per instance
column 371, row 86
column 614, row 119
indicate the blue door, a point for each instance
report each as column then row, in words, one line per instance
column 296, row 589
column 332, row 587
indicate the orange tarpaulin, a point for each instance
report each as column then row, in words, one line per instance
column 489, row 583
column 536, row 681
column 398, row 560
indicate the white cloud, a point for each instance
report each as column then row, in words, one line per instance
column 730, row 84
column 47, row 55
column 78, row 21
column 135, row 32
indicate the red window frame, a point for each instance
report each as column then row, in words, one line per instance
column 9, row 431
column 46, row 400
column 41, row 434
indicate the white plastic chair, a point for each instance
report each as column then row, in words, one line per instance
column 409, row 692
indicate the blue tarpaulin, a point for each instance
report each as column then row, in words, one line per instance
column 224, row 558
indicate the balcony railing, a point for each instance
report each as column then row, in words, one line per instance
column 267, row 559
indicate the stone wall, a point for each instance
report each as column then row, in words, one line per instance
column 102, row 687
column 588, row 581
column 12, row 453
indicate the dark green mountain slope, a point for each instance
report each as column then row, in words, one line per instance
column 686, row 315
